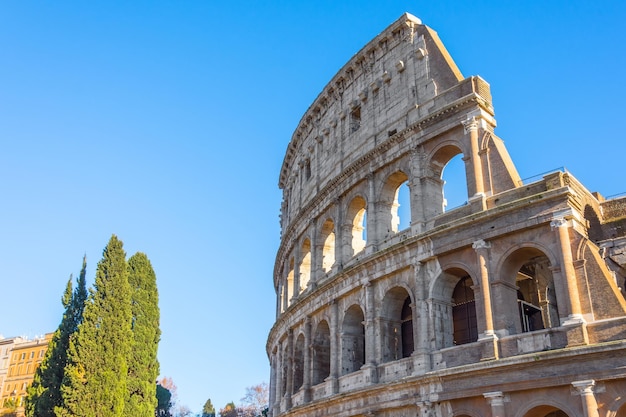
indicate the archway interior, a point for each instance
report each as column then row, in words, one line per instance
column 464, row 312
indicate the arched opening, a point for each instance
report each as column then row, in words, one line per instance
column 390, row 203
column 454, row 183
column 464, row 313
column 298, row 363
column 328, row 249
column 453, row 309
column 397, row 325
column 403, row 199
column 533, row 305
column 305, row 265
column 356, row 217
column 546, row 411
column 352, row 340
column 321, row 353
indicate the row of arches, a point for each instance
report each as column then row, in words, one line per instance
column 450, row 316
column 342, row 240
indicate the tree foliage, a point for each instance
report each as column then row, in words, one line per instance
column 44, row 394
column 95, row 383
column 208, row 410
column 143, row 366
column 164, row 401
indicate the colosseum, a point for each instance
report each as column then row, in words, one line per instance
column 511, row 304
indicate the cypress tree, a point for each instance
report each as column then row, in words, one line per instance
column 45, row 392
column 143, row 366
column 95, row 382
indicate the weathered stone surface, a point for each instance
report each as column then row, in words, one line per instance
column 511, row 305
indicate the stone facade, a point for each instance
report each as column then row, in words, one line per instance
column 510, row 305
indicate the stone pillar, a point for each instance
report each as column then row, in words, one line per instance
column 272, row 399
column 279, row 378
column 488, row 336
column 339, row 214
column 316, row 255
column 306, row 377
column 372, row 235
column 585, row 389
column 279, row 298
column 561, row 225
column 335, row 349
column 471, row 127
column 296, row 274
column 370, row 335
column 421, row 355
column 425, row 408
column 496, row 401
column 289, row 360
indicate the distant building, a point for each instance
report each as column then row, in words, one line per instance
column 511, row 305
column 22, row 357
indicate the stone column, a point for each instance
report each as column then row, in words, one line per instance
column 272, row 399
column 339, row 214
column 481, row 247
column 306, row 377
column 372, row 232
column 496, row 401
column 296, row 274
column 425, row 408
column 585, row 389
column 335, row 349
column 370, row 335
column 315, row 255
column 421, row 355
column 289, row 360
column 471, row 127
column 567, row 269
column 279, row 378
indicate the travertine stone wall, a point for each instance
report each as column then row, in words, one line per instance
column 511, row 304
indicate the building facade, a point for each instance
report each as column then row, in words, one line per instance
column 509, row 305
column 24, row 357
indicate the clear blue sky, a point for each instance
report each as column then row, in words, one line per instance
column 166, row 123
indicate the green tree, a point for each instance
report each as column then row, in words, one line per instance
column 143, row 366
column 229, row 410
column 95, row 382
column 164, row 401
column 208, row 410
column 44, row 394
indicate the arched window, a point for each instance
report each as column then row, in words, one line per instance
column 328, row 250
column 454, row 183
column 533, row 305
column 464, row 313
column 298, row 363
column 352, row 341
column 321, row 353
column 305, row 265
column 395, row 194
column 396, row 325
column 357, row 216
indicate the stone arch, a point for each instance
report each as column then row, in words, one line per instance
column 356, row 221
column 388, row 204
column 396, row 323
column 617, row 408
column 321, row 353
column 353, row 340
column 527, row 292
column 438, row 160
column 453, row 307
column 546, row 409
column 298, row 363
column 328, row 245
column 305, row 264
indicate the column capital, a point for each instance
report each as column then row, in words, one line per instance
column 494, row 398
column 480, row 244
column 559, row 222
column 584, row 387
column 470, row 124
